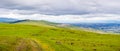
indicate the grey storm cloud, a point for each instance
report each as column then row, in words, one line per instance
column 61, row 7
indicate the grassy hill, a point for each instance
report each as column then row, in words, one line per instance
column 46, row 24
column 44, row 36
column 36, row 22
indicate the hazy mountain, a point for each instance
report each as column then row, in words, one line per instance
column 106, row 27
column 7, row 20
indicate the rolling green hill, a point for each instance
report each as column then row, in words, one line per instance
column 37, row 23
column 46, row 36
column 47, row 24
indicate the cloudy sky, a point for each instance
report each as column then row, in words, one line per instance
column 65, row 11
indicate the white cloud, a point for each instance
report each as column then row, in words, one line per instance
column 67, row 10
column 64, row 6
column 89, row 18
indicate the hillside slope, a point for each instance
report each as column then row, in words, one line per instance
column 37, row 23
column 30, row 37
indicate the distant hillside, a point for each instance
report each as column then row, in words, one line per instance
column 48, row 24
column 99, row 27
column 106, row 27
column 43, row 23
column 36, row 22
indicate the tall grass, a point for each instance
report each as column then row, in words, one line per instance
column 46, row 38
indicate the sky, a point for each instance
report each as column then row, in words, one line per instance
column 62, row 11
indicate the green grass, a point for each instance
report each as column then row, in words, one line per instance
column 28, row 37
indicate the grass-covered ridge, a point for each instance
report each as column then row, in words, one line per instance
column 28, row 37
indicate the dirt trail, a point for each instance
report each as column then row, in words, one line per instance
column 36, row 46
column 20, row 46
column 28, row 45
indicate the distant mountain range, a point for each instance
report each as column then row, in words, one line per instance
column 7, row 20
column 33, row 22
column 106, row 27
